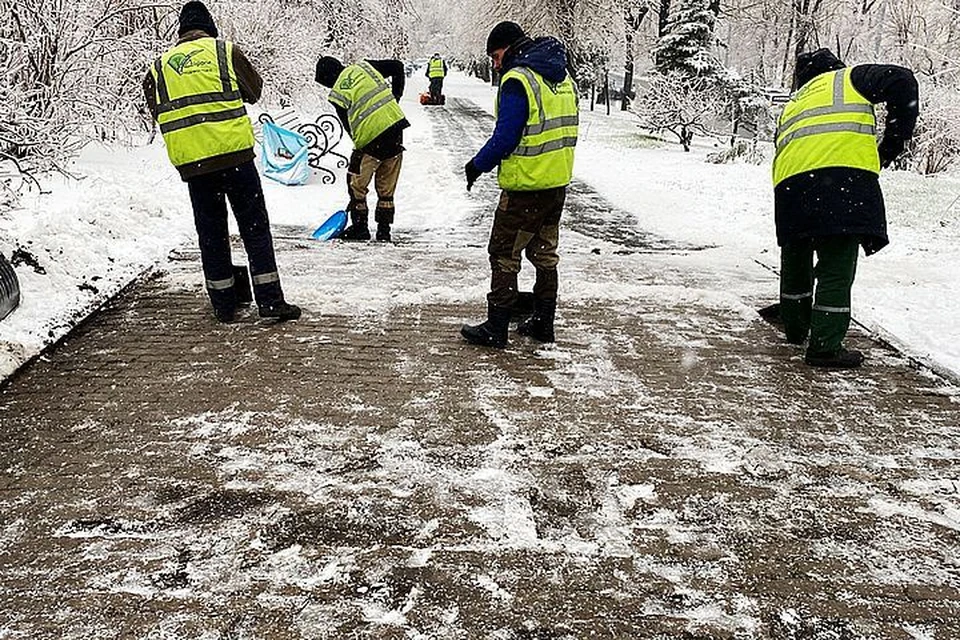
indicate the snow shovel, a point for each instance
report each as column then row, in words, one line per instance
column 771, row 313
column 332, row 227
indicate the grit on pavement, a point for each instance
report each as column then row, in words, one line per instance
column 668, row 469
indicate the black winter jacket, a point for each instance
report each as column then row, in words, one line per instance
column 844, row 201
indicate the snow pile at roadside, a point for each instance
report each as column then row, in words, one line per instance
column 79, row 244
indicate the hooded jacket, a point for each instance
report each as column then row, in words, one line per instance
column 841, row 200
column 546, row 56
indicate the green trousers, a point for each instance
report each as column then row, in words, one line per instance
column 815, row 298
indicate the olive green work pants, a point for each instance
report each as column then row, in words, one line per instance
column 815, row 297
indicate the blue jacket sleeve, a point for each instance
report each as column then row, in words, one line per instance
column 511, row 118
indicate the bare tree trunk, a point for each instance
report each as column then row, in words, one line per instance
column 606, row 88
column 786, row 50
column 626, row 92
column 663, row 19
column 632, row 19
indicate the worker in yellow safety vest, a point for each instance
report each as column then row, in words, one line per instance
column 533, row 145
column 196, row 93
column 436, row 72
column 827, row 198
column 368, row 107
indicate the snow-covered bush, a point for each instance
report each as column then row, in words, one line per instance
column 748, row 151
column 936, row 143
column 71, row 74
column 683, row 105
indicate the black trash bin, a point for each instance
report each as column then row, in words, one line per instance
column 9, row 288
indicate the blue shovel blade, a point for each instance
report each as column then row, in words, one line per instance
column 332, row 227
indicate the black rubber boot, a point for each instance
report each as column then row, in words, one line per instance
column 383, row 232
column 280, row 311
column 523, row 306
column 493, row 332
column 358, row 229
column 841, row 359
column 539, row 326
column 225, row 315
column 241, row 284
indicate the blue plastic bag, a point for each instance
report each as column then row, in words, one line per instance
column 285, row 155
column 332, row 227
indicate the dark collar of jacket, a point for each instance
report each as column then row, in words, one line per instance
column 193, row 34
column 545, row 55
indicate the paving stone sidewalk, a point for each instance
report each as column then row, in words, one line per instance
column 167, row 477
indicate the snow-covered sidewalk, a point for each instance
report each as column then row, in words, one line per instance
column 90, row 238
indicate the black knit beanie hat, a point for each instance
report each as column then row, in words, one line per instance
column 194, row 15
column 328, row 70
column 810, row 65
column 503, row 35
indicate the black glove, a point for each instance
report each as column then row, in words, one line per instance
column 472, row 173
column 355, row 159
column 889, row 149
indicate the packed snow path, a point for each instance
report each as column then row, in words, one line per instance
column 668, row 469
column 586, row 211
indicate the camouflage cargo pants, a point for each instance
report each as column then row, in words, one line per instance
column 526, row 222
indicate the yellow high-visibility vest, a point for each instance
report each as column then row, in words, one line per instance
column 368, row 100
column 827, row 123
column 435, row 70
column 544, row 157
column 199, row 107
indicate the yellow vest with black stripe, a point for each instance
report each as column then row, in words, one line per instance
column 199, row 107
column 544, row 157
column 435, row 70
column 827, row 123
column 368, row 100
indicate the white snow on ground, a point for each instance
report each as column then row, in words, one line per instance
column 91, row 237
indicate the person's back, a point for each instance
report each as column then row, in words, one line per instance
column 436, row 72
column 196, row 91
column 827, row 197
column 376, row 131
column 830, row 188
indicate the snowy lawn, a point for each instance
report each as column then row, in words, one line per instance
column 81, row 242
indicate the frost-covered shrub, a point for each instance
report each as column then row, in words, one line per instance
column 748, row 151
column 680, row 104
column 936, row 143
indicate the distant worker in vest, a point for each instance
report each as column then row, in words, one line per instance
column 827, row 197
column 368, row 107
column 532, row 144
column 196, row 92
column 436, row 72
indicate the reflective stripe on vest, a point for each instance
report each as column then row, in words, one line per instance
column 368, row 100
column 436, row 68
column 827, row 123
column 199, row 107
column 544, row 157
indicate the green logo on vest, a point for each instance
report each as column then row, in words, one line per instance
column 180, row 61
column 348, row 82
